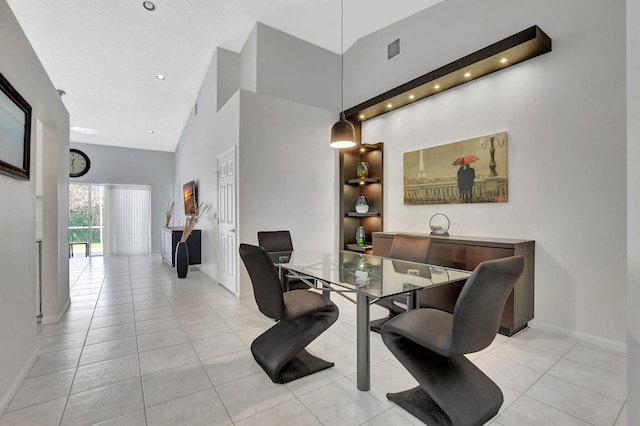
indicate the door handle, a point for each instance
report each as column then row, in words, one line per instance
column 232, row 230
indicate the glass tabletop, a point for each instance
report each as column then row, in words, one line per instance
column 363, row 273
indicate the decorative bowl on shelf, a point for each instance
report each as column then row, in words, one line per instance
column 362, row 204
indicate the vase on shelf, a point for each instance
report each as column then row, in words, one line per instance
column 362, row 170
column 182, row 259
column 362, row 204
column 361, row 236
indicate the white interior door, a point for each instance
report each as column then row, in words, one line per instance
column 227, row 250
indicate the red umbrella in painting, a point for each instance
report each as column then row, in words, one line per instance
column 465, row 160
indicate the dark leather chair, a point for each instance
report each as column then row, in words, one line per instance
column 280, row 241
column 414, row 248
column 431, row 344
column 301, row 316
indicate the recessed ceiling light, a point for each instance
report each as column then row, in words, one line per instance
column 503, row 60
column 149, row 5
column 84, row 130
column 150, row 132
column 361, row 116
column 160, row 76
column 467, row 74
column 411, row 97
column 437, row 86
column 389, row 106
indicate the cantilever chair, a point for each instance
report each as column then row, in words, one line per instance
column 301, row 317
column 280, row 241
column 414, row 248
column 431, row 344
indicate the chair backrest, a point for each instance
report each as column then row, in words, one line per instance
column 275, row 240
column 414, row 248
column 267, row 288
column 477, row 314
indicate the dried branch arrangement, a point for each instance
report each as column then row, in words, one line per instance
column 192, row 221
column 169, row 213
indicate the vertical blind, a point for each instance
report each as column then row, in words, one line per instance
column 128, row 219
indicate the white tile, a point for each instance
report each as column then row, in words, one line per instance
column 111, row 320
column 388, row 418
column 44, row 414
column 108, row 350
column 507, row 372
column 526, row 411
column 198, row 318
column 155, row 313
column 547, row 342
column 167, row 358
column 136, row 418
column 42, row 388
column 252, row 394
column 104, row 403
column 609, row 361
column 283, row 414
column 62, row 342
column 198, row 409
column 527, row 356
column 112, row 310
column 206, row 329
column 314, row 381
column 161, row 339
column 341, row 403
column 575, row 400
column 105, row 373
column 115, row 332
column 64, row 328
column 226, row 368
column 386, row 377
column 55, row 361
column 218, row 345
column 174, row 383
column 151, row 326
column 595, row 379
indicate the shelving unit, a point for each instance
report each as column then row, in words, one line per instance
column 351, row 186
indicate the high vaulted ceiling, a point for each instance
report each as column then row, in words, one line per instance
column 106, row 54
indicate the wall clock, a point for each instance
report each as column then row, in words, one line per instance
column 78, row 163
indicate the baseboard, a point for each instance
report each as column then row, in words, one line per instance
column 6, row 399
column 53, row 319
column 609, row 344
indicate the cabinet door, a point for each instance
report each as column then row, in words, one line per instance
column 449, row 255
column 476, row 254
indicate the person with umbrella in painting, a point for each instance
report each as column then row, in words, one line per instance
column 466, row 177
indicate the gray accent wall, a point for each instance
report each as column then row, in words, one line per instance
column 128, row 166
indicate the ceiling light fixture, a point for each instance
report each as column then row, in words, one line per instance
column 343, row 134
column 149, row 6
column 84, row 130
column 150, row 132
column 160, row 77
column 516, row 48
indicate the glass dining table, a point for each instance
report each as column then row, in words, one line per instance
column 369, row 278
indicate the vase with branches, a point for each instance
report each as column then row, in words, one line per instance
column 200, row 210
column 169, row 212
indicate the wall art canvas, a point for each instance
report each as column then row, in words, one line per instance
column 470, row 171
column 15, row 132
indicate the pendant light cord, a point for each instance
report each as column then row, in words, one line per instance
column 342, row 60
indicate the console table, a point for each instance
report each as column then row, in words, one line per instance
column 169, row 239
column 466, row 253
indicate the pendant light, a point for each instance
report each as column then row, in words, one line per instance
column 343, row 134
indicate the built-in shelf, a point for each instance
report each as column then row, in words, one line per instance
column 363, row 181
column 367, row 214
column 355, row 247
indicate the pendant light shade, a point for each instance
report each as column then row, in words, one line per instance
column 343, row 134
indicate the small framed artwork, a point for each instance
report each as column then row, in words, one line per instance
column 469, row 171
column 15, row 132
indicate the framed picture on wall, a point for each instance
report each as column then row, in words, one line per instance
column 15, row 132
column 470, row 171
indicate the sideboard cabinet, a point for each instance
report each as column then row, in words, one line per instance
column 466, row 253
column 169, row 240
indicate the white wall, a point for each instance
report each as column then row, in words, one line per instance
column 287, row 176
column 128, row 166
column 633, row 211
column 20, row 65
column 565, row 116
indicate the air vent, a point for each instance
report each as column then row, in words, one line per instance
column 393, row 49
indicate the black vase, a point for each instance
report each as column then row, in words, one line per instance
column 182, row 259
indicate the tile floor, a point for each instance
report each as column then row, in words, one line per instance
column 140, row 347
